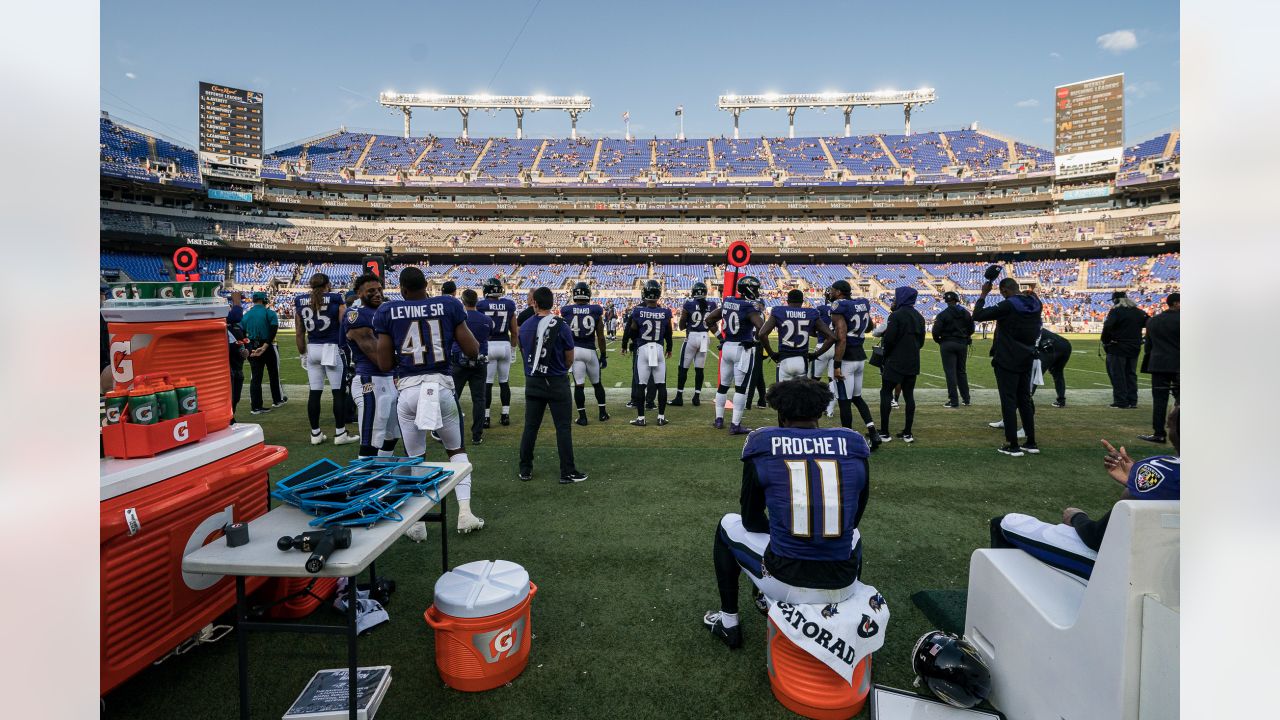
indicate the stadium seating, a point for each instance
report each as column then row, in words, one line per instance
column 552, row 276
column 1166, row 268
column 139, row 267
column 984, row 155
column 259, row 273
column 682, row 158
column 800, row 157
column 679, row 279
column 567, row 158
column 742, row 158
column 450, row 156
column 1049, row 272
column 860, row 155
column 625, row 159
column 389, row 154
column 508, row 158
column 616, row 277
column 1114, row 272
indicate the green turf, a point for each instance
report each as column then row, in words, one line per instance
column 623, row 561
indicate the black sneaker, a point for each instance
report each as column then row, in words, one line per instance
column 950, row 405
column 1058, row 403
column 1030, row 448
column 582, row 419
column 761, row 604
column 677, row 401
column 966, row 403
column 1131, row 407
column 1157, row 439
column 526, row 476
column 1118, row 406
column 260, row 411
column 762, row 405
column 283, row 400
column 873, row 438
column 663, row 421
column 487, row 424
column 631, row 404
column 477, row 439
column 1010, row 450
column 603, row 416
column 573, row 477
column 436, row 436
column 638, row 422
column 696, row 400
column 505, row 419
column 885, row 437
column 905, row 437
column 731, row 636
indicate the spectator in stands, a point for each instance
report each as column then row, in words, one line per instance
column 1055, row 353
column 1122, row 340
column 546, row 345
column 902, row 339
column 1161, row 361
column 1073, row 545
column 260, row 327
column 1018, row 325
column 953, row 331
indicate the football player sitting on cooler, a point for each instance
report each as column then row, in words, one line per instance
column 414, row 337
column 796, row 324
column 651, row 333
column 850, row 321
column 693, row 352
column 502, row 343
column 737, row 350
column 586, row 321
column 804, row 489
column 318, row 313
column 373, row 389
column 1073, row 544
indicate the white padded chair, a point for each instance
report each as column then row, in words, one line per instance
column 1061, row 649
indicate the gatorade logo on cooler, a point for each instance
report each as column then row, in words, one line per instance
column 113, row 415
column 166, row 292
column 181, row 432
column 121, row 365
column 500, row 643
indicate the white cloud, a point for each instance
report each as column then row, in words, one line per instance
column 1118, row 41
column 1028, row 103
column 131, row 76
column 1141, row 90
column 1055, row 55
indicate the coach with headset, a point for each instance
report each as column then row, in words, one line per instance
column 953, row 331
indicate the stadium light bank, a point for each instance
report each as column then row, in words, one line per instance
column 846, row 101
column 405, row 102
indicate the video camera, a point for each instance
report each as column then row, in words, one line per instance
column 320, row 543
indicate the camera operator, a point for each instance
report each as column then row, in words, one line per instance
column 1013, row 353
column 1122, row 339
column 953, row 331
column 472, row 371
column 1161, row 361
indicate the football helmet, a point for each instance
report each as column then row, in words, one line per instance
column 699, row 291
column 581, row 291
column 950, row 667
column 492, row 288
column 749, row 287
column 652, row 290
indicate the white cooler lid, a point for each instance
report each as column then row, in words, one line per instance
column 169, row 312
column 124, row 476
column 481, row 588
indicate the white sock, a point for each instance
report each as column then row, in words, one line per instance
column 486, row 412
column 721, row 398
column 463, row 491
column 661, row 416
column 506, row 409
column 729, row 620
column 316, row 433
column 739, row 405
column 386, row 453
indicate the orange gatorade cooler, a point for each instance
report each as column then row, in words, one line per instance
column 806, row 686
column 154, row 511
column 182, row 340
column 481, row 617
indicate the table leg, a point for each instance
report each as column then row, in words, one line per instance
column 242, row 647
column 352, row 597
column 444, row 534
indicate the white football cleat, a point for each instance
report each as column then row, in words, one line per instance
column 318, row 439
column 345, row 438
column 417, row 532
column 468, row 522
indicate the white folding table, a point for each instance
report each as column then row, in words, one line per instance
column 261, row 558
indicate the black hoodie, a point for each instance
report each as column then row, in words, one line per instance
column 1017, row 329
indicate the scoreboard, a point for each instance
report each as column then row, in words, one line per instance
column 1089, row 124
column 230, row 132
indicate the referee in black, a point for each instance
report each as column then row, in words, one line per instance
column 546, row 346
column 953, row 331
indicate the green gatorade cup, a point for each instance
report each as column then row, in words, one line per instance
column 186, row 390
column 116, row 403
column 167, row 399
column 143, row 409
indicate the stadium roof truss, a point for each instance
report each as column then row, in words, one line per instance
column 464, row 104
column 846, row 101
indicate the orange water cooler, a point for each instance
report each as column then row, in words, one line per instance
column 184, row 340
column 480, row 614
column 153, row 512
column 806, row 686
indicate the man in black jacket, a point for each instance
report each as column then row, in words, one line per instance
column 1055, row 352
column 1012, row 355
column 1122, row 339
column 1161, row 361
column 902, row 341
column 953, row 331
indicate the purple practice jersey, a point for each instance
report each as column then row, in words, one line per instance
column 857, row 317
column 421, row 332
column 502, row 311
column 697, row 316
column 322, row 325
column 813, row 481
column 480, row 326
column 362, row 317
column 824, row 313
column 736, row 314
column 653, row 324
column 583, row 319
column 795, row 327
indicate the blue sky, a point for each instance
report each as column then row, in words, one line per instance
column 322, row 64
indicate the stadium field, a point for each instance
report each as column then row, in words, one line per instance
column 623, row 560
